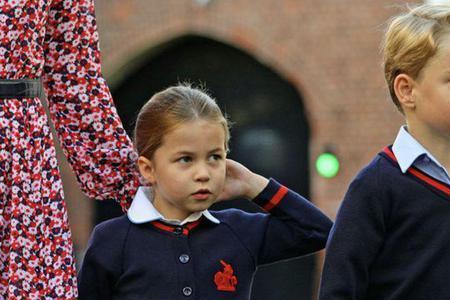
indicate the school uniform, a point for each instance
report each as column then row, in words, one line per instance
column 391, row 239
column 138, row 256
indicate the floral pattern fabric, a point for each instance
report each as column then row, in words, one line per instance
column 58, row 42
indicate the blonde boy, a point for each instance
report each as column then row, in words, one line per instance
column 391, row 239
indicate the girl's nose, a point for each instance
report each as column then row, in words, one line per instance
column 202, row 173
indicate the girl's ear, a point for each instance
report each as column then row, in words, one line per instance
column 147, row 169
column 404, row 87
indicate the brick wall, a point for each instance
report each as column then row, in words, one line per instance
column 328, row 49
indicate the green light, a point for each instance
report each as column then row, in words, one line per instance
column 327, row 165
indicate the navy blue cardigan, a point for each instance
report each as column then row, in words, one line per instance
column 391, row 239
column 201, row 260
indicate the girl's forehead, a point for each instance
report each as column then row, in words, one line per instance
column 196, row 126
column 195, row 132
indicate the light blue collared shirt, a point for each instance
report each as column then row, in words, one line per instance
column 143, row 211
column 409, row 152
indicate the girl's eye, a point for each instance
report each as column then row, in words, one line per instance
column 215, row 157
column 184, row 159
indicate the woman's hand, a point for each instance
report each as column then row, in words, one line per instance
column 241, row 182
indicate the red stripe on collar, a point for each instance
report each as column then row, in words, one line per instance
column 420, row 175
column 184, row 229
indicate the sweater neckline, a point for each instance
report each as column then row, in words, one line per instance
column 176, row 229
column 431, row 182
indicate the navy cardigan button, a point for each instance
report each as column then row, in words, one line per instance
column 178, row 230
column 187, row 291
column 184, row 258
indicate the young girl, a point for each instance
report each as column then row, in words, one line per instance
column 169, row 246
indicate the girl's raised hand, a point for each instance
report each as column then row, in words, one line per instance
column 241, row 182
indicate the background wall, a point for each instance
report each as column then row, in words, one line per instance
column 327, row 50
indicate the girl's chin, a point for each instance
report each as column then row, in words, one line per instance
column 200, row 205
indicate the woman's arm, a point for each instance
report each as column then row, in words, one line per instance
column 88, row 126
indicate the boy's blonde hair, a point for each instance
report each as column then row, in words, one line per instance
column 411, row 40
column 170, row 108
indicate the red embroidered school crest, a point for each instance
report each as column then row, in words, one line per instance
column 225, row 280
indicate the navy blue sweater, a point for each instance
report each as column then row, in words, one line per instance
column 201, row 260
column 391, row 239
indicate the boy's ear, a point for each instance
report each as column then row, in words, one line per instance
column 147, row 169
column 404, row 87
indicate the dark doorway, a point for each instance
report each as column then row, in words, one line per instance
column 270, row 133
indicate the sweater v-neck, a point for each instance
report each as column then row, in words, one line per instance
column 428, row 181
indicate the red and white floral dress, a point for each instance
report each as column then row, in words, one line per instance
column 58, row 42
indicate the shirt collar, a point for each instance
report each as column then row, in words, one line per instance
column 407, row 150
column 143, row 211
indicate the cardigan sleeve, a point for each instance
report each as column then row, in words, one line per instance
column 294, row 225
column 354, row 242
column 81, row 108
column 291, row 226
